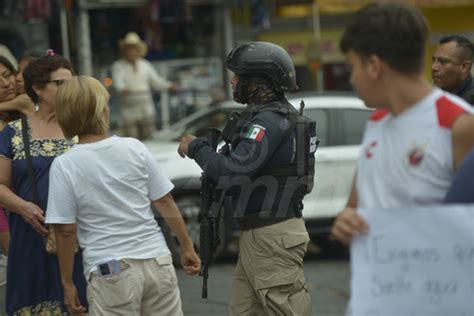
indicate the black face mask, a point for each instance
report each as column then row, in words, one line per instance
column 240, row 93
column 255, row 89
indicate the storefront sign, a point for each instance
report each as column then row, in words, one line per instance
column 301, row 45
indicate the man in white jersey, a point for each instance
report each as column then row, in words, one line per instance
column 419, row 134
column 103, row 186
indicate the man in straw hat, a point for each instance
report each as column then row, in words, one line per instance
column 134, row 78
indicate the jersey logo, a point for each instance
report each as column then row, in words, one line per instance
column 255, row 132
column 368, row 150
column 416, row 155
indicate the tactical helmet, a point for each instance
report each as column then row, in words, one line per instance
column 264, row 58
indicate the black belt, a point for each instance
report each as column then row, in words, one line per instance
column 260, row 219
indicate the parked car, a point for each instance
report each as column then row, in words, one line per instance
column 340, row 122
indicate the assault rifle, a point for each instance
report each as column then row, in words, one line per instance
column 210, row 207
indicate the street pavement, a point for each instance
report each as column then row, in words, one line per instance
column 327, row 280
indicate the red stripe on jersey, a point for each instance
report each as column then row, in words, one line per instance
column 379, row 114
column 448, row 112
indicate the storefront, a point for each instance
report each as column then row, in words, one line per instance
column 29, row 25
column 313, row 67
column 181, row 37
column 298, row 25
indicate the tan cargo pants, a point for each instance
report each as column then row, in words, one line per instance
column 145, row 287
column 269, row 278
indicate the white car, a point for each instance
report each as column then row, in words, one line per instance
column 340, row 122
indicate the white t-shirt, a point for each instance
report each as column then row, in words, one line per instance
column 106, row 188
column 138, row 82
column 408, row 159
column 139, row 79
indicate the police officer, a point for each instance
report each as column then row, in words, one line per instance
column 266, row 169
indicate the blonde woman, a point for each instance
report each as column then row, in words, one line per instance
column 103, row 189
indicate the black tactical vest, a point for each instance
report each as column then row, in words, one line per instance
column 300, row 172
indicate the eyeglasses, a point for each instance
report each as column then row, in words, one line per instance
column 57, row 82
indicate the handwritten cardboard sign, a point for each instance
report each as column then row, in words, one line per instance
column 414, row 262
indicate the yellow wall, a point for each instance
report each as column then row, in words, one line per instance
column 301, row 45
column 442, row 21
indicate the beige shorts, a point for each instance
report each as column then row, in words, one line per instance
column 269, row 278
column 144, row 287
column 137, row 109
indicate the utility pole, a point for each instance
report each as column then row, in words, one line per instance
column 64, row 30
column 228, row 43
column 84, row 41
column 317, row 41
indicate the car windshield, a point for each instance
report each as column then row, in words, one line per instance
column 215, row 119
column 353, row 125
column 335, row 125
column 320, row 116
column 197, row 124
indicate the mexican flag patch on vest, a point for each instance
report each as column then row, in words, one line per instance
column 255, row 132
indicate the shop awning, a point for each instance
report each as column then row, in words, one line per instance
column 107, row 4
column 344, row 6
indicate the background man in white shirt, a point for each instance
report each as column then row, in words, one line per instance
column 134, row 78
column 104, row 186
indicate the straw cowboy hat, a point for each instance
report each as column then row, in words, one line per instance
column 132, row 38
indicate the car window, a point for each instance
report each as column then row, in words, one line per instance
column 354, row 125
column 321, row 118
column 200, row 125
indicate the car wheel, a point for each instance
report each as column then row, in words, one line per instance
column 190, row 207
column 330, row 248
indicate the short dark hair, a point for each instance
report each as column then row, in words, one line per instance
column 7, row 63
column 396, row 33
column 38, row 73
column 461, row 42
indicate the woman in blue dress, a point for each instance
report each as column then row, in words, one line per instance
column 33, row 279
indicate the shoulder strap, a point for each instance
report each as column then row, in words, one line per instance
column 282, row 106
column 29, row 162
column 292, row 119
column 285, row 108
